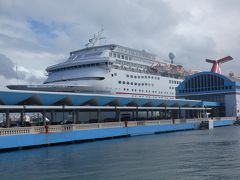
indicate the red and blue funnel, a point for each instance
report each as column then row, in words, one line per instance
column 216, row 63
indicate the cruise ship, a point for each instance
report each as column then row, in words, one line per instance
column 112, row 69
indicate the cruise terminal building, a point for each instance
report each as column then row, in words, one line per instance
column 213, row 86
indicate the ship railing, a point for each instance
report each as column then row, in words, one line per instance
column 156, row 122
column 224, row 118
column 85, row 126
column 37, row 129
column 15, row 131
column 59, row 128
column 75, row 127
column 111, row 124
column 164, row 73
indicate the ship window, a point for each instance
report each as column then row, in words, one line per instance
column 152, row 77
column 135, row 83
column 123, row 82
column 131, row 83
column 135, row 77
column 122, row 56
column 146, row 77
column 142, row 76
column 112, row 75
column 127, row 82
column 145, row 84
column 130, row 58
column 142, row 84
column 114, row 55
column 138, row 77
column 115, row 74
column 131, row 76
column 127, row 75
column 119, row 82
column 118, row 55
column 139, row 84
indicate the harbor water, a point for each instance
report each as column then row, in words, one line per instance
column 198, row 154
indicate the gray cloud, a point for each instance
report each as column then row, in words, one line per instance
column 193, row 30
column 7, row 67
column 10, row 72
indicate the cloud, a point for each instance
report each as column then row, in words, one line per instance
column 12, row 74
column 41, row 33
column 7, row 67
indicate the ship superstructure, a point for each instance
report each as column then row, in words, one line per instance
column 112, row 69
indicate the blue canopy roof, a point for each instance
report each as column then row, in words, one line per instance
column 74, row 99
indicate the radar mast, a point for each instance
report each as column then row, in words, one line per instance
column 96, row 40
column 171, row 57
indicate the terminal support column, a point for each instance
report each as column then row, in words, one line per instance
column 152, row 114
column 77, row 116
column 52, row 116
column 98, row 115
column 44, row 117
column 117, row 114
column 72, row 116
column 179, row 112
column 137, row 114
column 8, row 121
column 147, row 114
column 22, row 117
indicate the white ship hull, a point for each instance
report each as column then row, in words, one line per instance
column 111, row 69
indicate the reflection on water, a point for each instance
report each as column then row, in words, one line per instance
column 196, row 154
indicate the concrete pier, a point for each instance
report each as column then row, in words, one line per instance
column 23, row 137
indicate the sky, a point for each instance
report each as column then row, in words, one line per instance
column 39, row 33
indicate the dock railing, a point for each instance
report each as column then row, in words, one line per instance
column 77, row 127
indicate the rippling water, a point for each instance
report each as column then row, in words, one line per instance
column 199, row 154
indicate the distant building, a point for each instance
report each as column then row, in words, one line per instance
column 210, row 86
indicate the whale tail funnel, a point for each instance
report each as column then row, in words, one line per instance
column 216, row 68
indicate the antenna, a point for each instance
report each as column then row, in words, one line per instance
column 216, row 68
column 171, row 57
column 96, row 40
column 17, row 74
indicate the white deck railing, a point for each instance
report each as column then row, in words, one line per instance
column 73, row 127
